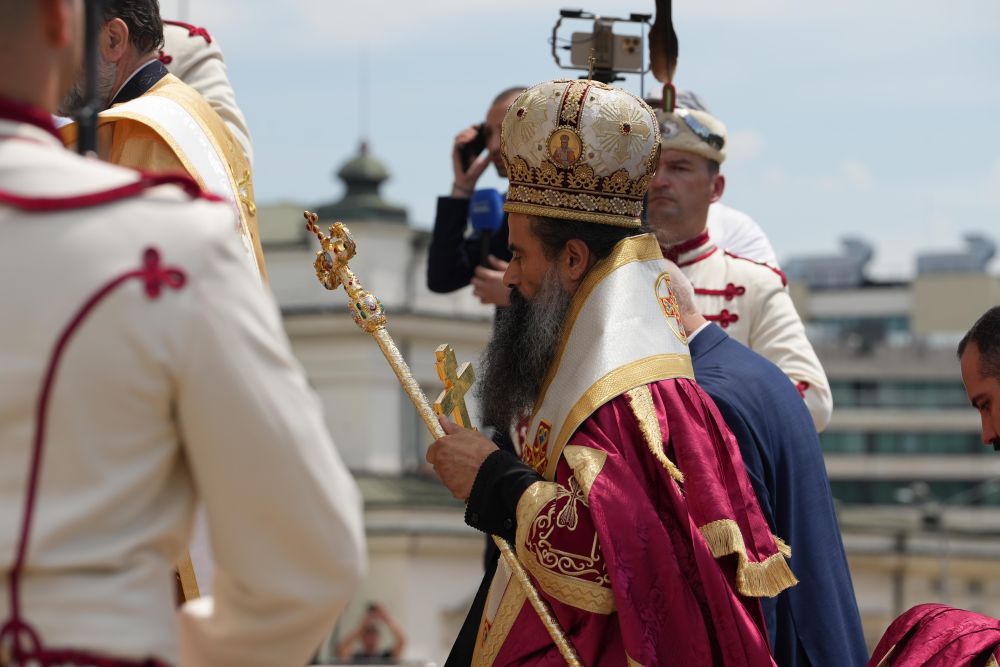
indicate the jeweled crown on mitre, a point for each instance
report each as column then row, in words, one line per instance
column 579, row 150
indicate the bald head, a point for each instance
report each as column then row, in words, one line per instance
column 691, row 318
column 41, row 48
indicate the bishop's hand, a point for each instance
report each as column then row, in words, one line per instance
column 457, row 457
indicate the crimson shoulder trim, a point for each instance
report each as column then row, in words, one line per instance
column 675, row 251
column 86, row 200
column 778, row 272
column 193, row 30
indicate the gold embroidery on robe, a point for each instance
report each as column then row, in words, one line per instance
column 489, row 643
column 579, row 580
column 587, row 464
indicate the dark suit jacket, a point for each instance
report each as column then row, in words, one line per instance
column 816, row 622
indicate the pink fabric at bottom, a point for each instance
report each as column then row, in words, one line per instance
column 935, row 635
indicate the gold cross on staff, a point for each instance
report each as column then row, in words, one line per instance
column 457, row 383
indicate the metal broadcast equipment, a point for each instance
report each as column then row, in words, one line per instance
column 613, row 53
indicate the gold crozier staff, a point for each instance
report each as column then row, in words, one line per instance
column 333, row 271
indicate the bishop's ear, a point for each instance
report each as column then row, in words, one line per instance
column 575, row 260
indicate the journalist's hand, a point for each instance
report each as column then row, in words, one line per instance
column 465, row 181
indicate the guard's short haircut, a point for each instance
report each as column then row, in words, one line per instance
column 600, row 239
column 508, row 92
column 985, row 333
column 145, row 27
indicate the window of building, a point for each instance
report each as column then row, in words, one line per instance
column 893, row 492
column 898, row 394
column 901, row 442
column 844, row 442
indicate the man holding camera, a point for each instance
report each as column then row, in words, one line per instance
column 454, row 260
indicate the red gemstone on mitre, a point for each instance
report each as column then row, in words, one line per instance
column 520, row 112
column 626, row 128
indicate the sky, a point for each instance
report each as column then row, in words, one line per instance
column 877, row 119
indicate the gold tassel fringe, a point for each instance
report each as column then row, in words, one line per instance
column 764, row 579
column 641, row 401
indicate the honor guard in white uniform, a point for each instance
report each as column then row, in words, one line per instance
column 145, row 370
column 747, row 298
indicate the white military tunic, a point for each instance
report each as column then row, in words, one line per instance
column 158, row 403
column 740, row 234
column 750, row 301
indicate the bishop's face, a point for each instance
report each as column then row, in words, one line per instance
column 984, row 392
column 529, row 266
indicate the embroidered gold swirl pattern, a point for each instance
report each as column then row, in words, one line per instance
column 590, row 566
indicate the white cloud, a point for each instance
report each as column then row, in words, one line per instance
column 734, row 9
column 744, row 145
column 775, row 177
column 852, row 176
column 857, row 175
column 311, row 26
column 993, row 182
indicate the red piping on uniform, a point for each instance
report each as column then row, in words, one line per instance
column 699, row 258
column 803, row 387
column 18, row 137
column 16, row 630
column 193, row 30
column 20, row 112
column 779, row 272
column 146, row 181
column 675, row 251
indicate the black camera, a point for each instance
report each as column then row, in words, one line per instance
column 601, row 51
column 470, row 150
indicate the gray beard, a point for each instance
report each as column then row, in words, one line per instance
column 74, row 100
column 517, row 358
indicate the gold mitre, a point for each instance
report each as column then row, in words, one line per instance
column 579, row 150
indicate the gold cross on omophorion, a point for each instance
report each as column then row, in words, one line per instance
column 457, row 383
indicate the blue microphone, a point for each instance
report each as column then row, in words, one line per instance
column 486, row 216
